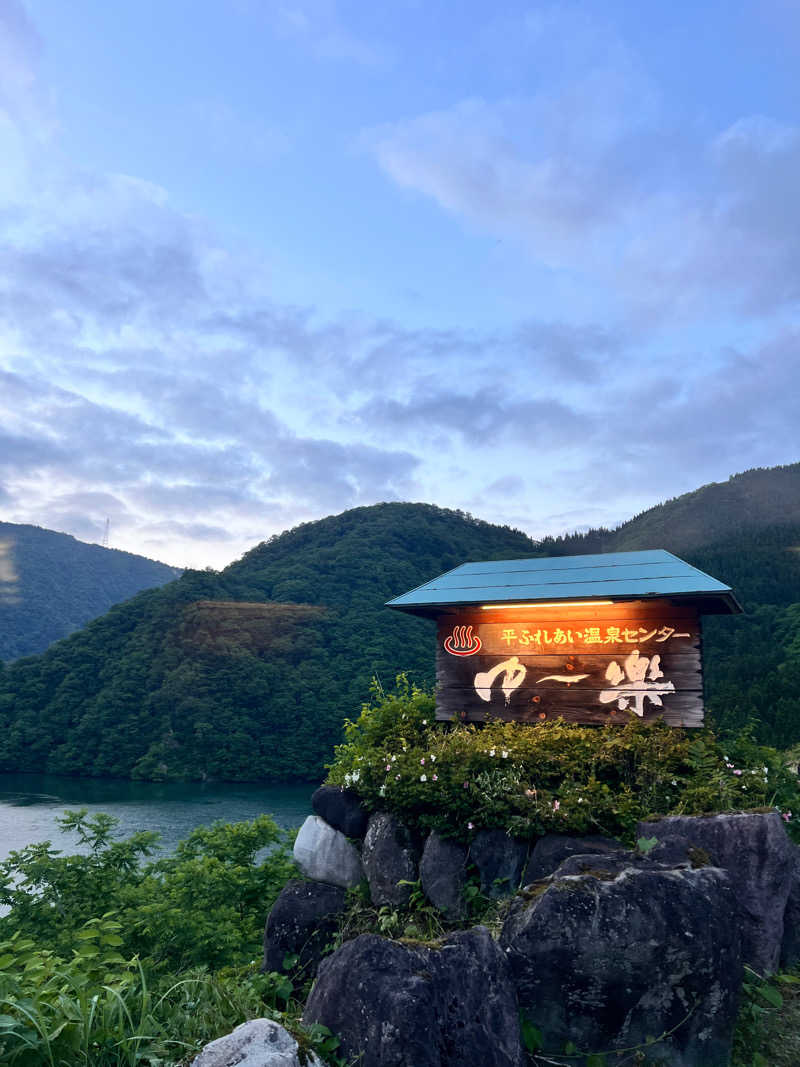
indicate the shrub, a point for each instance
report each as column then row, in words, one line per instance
column 555, row 777
column 203, row 905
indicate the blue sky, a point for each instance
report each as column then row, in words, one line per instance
column 261, row 262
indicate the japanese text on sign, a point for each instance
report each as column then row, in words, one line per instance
column 590, row 635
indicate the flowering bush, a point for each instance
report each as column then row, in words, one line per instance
column 553, row 777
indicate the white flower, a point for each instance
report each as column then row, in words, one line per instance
column 433, row 758
column 674, row 781
column 394, row 758
column 491, row 751
column 382, row 791
column 424, row 722
column 423, row 777
column 504, row 754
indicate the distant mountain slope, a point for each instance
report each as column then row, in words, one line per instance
column 51, row 584
column 758, row 498
column 246, row 674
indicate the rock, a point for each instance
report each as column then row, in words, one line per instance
column 341, row 809
column 666, row 857
column 403, row 1006
column 757, row 853
column 301, row 923
column 389, row 857
column 609, row 962
column 326, row 855
column 500, row 860
column 607, row 865
column 550, row 850
column 443, row 873
column 257, row 1043
column 790, row 947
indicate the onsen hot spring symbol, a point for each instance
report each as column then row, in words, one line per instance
column 462, row 642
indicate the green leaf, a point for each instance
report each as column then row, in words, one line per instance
column 595, row 1059
column 771, row 995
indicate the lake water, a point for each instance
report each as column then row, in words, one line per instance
column 30, row 804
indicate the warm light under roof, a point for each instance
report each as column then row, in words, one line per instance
column 551, row 604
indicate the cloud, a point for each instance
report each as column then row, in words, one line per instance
column 147, row 375
column 20, row 52
column 596, row 175
column 319, row 27
column 482, row 418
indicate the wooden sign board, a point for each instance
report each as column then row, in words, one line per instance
column 587, row 664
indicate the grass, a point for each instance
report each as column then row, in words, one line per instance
column 768, row 1029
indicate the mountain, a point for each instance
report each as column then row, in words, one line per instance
column 51, row 585
column 248, row 674
column 750, row 501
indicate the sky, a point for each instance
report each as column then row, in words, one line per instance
column 264, row 261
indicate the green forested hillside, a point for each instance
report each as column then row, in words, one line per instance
column 249, row 673
column 51, row 584
column 203, row 678
column 752, row 661
column 750, row 501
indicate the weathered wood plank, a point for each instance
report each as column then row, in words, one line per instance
column 537, row 705
column 690, row 718
column 566, row 670
column 661, row 607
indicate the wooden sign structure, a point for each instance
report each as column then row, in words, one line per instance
column 588, row 660
column 582, row 664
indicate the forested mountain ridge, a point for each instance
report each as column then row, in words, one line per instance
column 749, row 501
column 52, row 584
column 248, row 674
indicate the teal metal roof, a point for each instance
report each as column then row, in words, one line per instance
column 609, row 576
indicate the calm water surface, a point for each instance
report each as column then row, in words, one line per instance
column 30, row 804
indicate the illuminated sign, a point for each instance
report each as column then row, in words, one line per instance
column 584, row 662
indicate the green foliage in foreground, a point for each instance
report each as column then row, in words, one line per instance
column 768, row 1028
column 551, row 778
column 96, row 1009
column 110, row 957
column 202, row 906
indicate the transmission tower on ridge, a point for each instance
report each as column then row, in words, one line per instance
column 105, row 533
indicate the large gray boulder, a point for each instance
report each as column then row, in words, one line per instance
column 389, row 858
column 550, row 850
column 609, row 962
column 500, row 860
column 257, row 1043
column 401, row 1006
column 790, row 946
column 325, row 854
column 443, row 873
column 757, row 853
column 302, row 922
column 340, row 808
